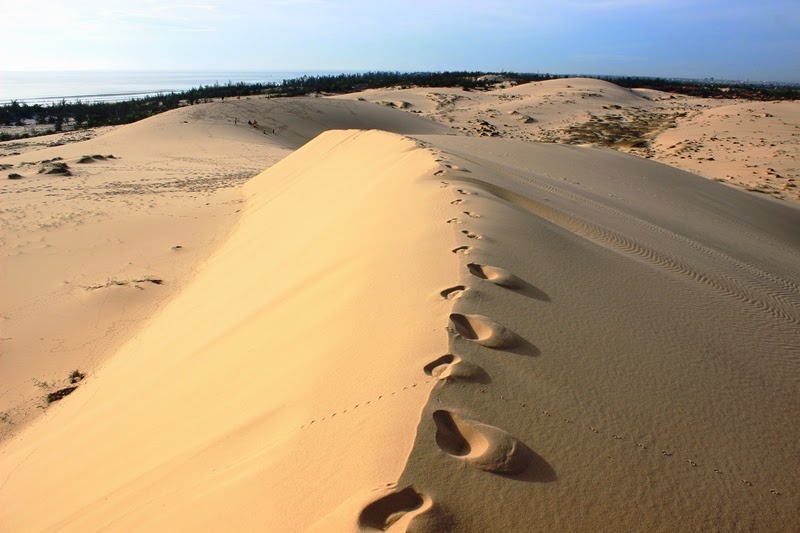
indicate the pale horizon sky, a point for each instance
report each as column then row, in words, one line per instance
column 730, row 39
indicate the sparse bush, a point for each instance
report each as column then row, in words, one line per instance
column 55, row 168
column 41, row 384
column 59, row 394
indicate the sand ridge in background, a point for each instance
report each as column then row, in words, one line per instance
column 750, row 145
column 438, row 332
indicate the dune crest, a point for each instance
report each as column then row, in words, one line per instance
column 305, row 335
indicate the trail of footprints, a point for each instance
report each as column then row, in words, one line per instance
column 479, row 445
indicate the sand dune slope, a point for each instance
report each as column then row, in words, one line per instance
column 629, row 339
column 285, row 379
column 551, row 110
column 450, row 334
column 751, row 145
column 87, row 258
column 293, row 122
column 755, row 145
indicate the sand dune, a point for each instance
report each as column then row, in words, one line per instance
column 749, row 145
column 421, row 331
column 82, row 253
column 290, row 332
column 752, row 145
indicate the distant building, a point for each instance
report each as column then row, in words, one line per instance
column 492, row 78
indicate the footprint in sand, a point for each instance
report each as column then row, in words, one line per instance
column 454, row 221
column 472, row 215
column 480, row 445
column 464, row 192
column 386, row 508
column 437, row 366
column 451, row 367
column 397, row 508
column 470, row 235
column 482, row 330
column 452, row 293
column 462, row 250
column 496, row 275
column 438, row 173
column 456, row 202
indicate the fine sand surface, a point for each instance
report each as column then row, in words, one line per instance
column 750, row 145
column 401, row 330
column 755, row 145
column 86, row 259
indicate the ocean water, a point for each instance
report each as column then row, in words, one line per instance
column 112, row 86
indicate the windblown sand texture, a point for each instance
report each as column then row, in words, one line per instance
column 401, row 330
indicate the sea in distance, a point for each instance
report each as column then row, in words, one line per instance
column 112, row 86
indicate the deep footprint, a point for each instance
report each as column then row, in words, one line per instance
column 471, row 215
column 451, row 366
column 456, row 202
column 381, row 514
column 483, row 331
column 462, row 250
column 480, row 445
column 496, row 275
column 434, row 368
column 451, row 293
column 454, row 221
column 470, row 235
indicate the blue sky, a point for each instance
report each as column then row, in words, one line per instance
column 721, row 39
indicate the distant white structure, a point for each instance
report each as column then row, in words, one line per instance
column 492, row 78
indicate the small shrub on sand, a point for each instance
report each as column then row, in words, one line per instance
column 59, row 394
column 56, row 168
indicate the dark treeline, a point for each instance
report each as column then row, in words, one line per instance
column 710, row 89
column 345, row 83
column 80, row 115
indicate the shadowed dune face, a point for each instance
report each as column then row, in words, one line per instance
column 622, row 273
